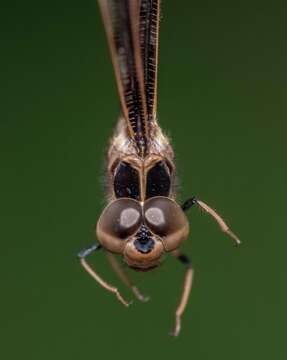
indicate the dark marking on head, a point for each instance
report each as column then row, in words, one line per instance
column 158, row 180
column 126, row 182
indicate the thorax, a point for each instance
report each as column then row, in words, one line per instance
column 140, row 177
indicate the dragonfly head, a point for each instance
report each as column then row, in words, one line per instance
column 144, row 250
column 142, row 233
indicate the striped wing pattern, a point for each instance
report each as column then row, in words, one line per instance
column 132, row 31
column 149, row 31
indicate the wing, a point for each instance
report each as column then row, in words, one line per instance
column 149, row 32
column 122, row 24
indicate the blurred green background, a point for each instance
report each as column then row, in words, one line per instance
column 222, row 99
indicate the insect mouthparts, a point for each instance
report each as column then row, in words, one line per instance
column 144, row 242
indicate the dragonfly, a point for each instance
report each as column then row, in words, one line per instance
column 142, row 221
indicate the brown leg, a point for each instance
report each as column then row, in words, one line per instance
column 186, row 290
column 124, row 277
column 188, row 204
column 82, row 255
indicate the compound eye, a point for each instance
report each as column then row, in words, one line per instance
column 165, row 218
column 119, row 220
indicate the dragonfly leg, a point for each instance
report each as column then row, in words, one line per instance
column 223, row 226
column 82, row 256
column 125, row 278
column 185, row 292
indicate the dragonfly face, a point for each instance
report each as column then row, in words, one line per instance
column 142, row 232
